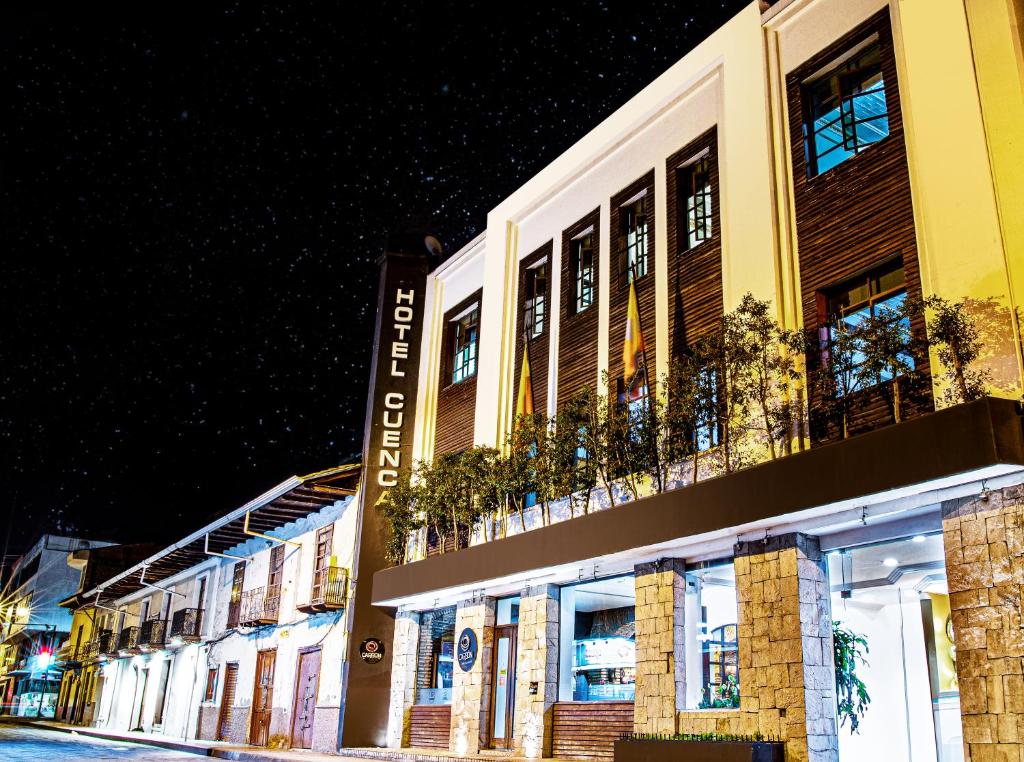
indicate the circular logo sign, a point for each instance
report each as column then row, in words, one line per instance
column 371, row 651
column 466, row 651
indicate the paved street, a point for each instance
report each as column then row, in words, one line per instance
column 23, row 743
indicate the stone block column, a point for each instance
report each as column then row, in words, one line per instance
column 660, row 662
column 787, row 672
column 536, row 670
column 984, row 544
column 471, row 691
column 403, row 677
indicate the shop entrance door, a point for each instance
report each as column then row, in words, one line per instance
column 305, row 699
column 503, row 686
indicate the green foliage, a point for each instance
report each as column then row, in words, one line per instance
column 954, row 333
column 849, row 649
column 397, row 507
column 726, row 695
column 702, row 737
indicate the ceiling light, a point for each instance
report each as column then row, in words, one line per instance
column 890, row 562
column 918, row 538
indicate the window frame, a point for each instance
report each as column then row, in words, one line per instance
column 535, row 302
column 583, row 278
column 466, row 322
column 687, row 191
column 634, row 216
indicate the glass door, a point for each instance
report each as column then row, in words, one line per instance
column 503, row 686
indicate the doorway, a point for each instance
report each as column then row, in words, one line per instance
column 306, row 684
column 503, row 673
column 141, row 681
column 262, row 698
column 227, row 698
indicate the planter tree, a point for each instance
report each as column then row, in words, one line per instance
column 398, row 506
column 955, row 335
column 576, row 465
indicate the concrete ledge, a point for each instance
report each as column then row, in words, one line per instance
column 143, row 739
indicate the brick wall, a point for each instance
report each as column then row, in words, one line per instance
column 403, row 677
column 471, row 690
column 660, row 664
column 536, row 662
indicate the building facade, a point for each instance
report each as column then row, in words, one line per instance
column 236, row 632
column 837, row 160
column 34, row 625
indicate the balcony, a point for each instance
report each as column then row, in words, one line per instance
column 187, row 624
column 152, row 634
column 103, row 645
column 329, row 591
column 128, row 641
column 260, row 606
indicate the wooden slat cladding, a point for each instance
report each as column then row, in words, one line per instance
column 619, row 284
column 695, row 274
column 856, row 215
column 589, row 729
column 430, row 726
column 456, row 403
column 539, row 345
column 577, row 331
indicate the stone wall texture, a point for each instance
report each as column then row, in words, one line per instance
column 787, row 672
column 403, row 677
column 471, row 690
column 984, row 544
column 536, row 663
column 660, row 663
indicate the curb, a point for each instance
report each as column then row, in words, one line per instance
column 200, row 751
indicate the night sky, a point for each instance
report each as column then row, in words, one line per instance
column 193, row 200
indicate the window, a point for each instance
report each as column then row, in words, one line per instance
column 597, row 642
column 707, row 433
column 712, row 651
column 435, row 671
column 235, row 601
column 846, row 110
column 581, row 253
column 464, row 340
column 695, row 181
column 211, row 685
column 868, row 295
column 635, row 229
column 536, row 298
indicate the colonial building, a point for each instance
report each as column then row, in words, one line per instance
column 33, row 625
column 236, row 632
column 836, row 159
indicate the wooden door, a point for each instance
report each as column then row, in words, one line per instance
column 503, row 686
column 227, row 700
column 306, row 684
column 324, row 540
column 262, row 698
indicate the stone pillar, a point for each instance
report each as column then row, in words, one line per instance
column 403, row 677
column 787, row 672
column 660, row 662
column 536, row 670
column 984, row 542
column 471, row 691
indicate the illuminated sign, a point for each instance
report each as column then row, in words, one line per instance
column 605, row 652
column 466, row 653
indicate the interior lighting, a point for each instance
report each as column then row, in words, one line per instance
column 890, row 563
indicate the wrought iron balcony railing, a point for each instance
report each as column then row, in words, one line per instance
column 187, row 624
column 260, row 606
column 128, row 640
column 152, row 634
column 329, row 591
column 104, row 644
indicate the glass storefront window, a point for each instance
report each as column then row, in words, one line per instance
column 507, row 611
column 436, row 662
column 597, row 656
column 712, row 651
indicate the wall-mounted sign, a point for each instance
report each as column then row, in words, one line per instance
column 371, row 651
column 466, row 652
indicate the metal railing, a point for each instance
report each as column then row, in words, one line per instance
column 153, row 633
column 128, row 640
column 187, row 624
column 103, row 644
column 330, row 587
column 260, row 606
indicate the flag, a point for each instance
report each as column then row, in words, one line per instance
column 524, row 400
column 633, row 346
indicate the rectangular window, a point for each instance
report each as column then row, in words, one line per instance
column 597, row 642
column 635, row 230
column 211, row 685
column 845, row 110
column 535, row 304
column 465, row 331
column 712, row 651
column 435, row 661
column 582, row 260
column 869, row 295
column 708, row 430
column 235, row 601
column 694, row 180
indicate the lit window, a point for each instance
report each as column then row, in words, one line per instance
column 535, row 305
column 435, row 666
column 707, row 430
column 582, row 254
column 695, row 182
column 635, row 227
column 882, row 289
column 712, row 650
column 846, row 111
column 464, row 341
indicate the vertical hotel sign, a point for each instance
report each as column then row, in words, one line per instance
column 387, row 449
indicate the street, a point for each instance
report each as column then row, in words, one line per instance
column 24, row 743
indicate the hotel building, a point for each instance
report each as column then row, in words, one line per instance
column 830, row 157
